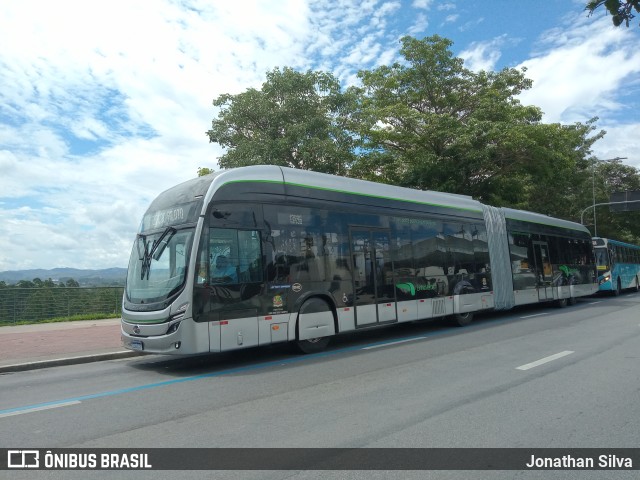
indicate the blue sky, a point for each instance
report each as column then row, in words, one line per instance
column 103, row 106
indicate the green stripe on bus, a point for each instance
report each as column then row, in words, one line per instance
column 358, row 193
column 577, row 228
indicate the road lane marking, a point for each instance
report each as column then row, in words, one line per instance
column 226, row 372
column 380, row 345
column 595, row 303
column 38, row 408
column 544, row 360
column 535, row 315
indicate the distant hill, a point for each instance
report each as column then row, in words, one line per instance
column 86, row 278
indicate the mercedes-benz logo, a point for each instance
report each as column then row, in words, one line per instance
column 136, row 329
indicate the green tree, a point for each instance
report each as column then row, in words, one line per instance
column 430, row 123
column 559, row 182
column 295, row 120
column 612, row 177
column 621, row 10
column 202, row 171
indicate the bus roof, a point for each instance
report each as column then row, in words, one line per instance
column 601, row 242
column 291, row 177
column 532, row 217
column 314, row 181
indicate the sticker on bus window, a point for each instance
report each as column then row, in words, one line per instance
column 277, row 301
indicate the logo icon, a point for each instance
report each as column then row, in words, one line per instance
column 296, row 287
column 23, row 459
column 136, row 329
column 277, row 301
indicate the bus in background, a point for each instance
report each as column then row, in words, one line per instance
column 261, row 255
column 618, row 265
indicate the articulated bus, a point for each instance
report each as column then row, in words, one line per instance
column 618, row 265
column 261, row 255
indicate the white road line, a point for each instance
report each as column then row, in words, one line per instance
column 393, row 343
column 38, row 409
column 535, row 315
column 544, row 360
column 595, row 303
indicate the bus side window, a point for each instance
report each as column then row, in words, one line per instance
column 249, row 256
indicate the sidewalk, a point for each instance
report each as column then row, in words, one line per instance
column 27, row 347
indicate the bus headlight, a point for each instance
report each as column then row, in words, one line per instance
column 172, row 328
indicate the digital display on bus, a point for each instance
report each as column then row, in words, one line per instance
column 176, row 215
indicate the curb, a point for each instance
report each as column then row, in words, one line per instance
column 21, row 367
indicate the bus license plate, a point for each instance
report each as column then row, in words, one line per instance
column 136, row 345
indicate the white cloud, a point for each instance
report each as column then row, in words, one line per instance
column 451, row 18
column 105, row 105
column 423, row 4
column 621, row 141
column 483, row 55
column 419, row 26
column 579, row 72
column 446, row 6
column 132, row 83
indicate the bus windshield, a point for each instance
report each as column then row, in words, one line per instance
column 602, row 258
column 158, row 264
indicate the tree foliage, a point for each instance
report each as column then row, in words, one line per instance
column 202, row 171
column 430, row 123
column 295, row 120
column 621, row 10
column 609, row 177
column 425, row 122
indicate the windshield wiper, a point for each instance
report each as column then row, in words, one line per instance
column 159, row 245
column 153, row 252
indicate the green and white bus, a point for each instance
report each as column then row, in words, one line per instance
column 261, row 255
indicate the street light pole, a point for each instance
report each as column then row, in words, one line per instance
column 593, row 187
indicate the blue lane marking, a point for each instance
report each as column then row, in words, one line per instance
column 274, row 363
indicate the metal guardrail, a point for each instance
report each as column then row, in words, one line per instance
column 39, row 304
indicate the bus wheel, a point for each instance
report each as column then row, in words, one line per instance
column 313, row 345
column 637, row 287
column 618, row 288
column 561, row 302
column 572, row 300
column 462, row 319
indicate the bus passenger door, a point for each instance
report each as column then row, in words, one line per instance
column 373, row 289
column 544, row 274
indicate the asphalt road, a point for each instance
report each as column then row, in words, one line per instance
column 530, row 378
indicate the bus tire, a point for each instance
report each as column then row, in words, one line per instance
column 312, row 345
column 462, row 319
column 561, row 302
column 636, row 288
column 617, row 289
column 572, row 301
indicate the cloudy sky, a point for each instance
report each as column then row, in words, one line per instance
column 103, row 105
